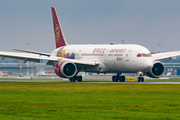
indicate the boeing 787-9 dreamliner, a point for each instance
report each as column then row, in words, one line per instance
column 69, row 60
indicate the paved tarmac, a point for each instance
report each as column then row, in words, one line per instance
column 90, row 81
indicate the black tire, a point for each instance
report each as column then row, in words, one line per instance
column 142, row 79
column 79, row 78
column 114, row 78
column 139, row 79
column 123, row 78
column 72, row 79
column 119, row 78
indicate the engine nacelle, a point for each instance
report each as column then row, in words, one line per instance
column 156, row 71
column 65, row 69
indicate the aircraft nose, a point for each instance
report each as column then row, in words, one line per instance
column 148, row 64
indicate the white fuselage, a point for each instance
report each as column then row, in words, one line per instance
column 120, row 58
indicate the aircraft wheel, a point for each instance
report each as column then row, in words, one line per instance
column 139, row 79
column 120, row 79
column 79, row 78
column 72, row 79
column 142, row 79
column 123, row 78
column 114, row 78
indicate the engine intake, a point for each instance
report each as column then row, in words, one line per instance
column 157, row 70
column 65, row 69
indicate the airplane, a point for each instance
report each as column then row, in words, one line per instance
column 69, row 60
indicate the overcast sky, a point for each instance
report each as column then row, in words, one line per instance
column 143, row 22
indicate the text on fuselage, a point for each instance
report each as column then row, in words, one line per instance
column 99, row 50
column 102, row 50
column 117, row 50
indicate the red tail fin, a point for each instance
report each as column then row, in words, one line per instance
column 59, row 36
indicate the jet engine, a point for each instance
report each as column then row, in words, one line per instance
column 156, row 71
column 65, row 69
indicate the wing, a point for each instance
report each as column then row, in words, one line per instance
column 34, row 52
column 165, row 55
column 52, row 60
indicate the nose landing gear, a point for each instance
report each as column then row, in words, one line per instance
column 140, row 78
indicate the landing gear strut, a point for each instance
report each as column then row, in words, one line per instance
column 78, row 78
column 140, row 78
column 118, row 78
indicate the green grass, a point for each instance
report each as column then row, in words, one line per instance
column 163, row 80
column 56, row 101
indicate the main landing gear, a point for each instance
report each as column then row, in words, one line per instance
column 78, row 78
column 118, row 78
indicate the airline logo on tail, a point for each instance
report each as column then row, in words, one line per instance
column 59, row 36
column 57, row 33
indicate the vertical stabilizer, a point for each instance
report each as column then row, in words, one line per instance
column 59, row 36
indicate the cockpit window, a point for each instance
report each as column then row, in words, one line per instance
column 139, row 55
column 148, row 55
column 143, row 55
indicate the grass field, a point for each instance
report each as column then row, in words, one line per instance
column 51, row 101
